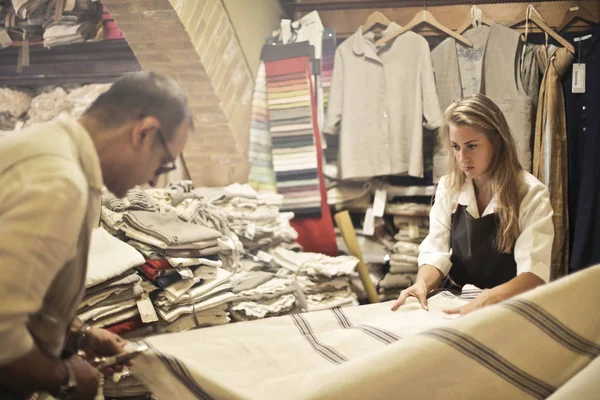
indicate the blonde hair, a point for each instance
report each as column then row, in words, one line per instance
column 481, row 113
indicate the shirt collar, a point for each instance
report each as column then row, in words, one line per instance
column 364, row 44
column 88, row 156
column 468, row 199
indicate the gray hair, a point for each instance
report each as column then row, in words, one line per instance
column 141, row 94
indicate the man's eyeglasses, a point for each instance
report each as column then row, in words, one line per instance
column 170, row 165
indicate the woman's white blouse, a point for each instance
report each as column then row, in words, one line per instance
column 533, row 247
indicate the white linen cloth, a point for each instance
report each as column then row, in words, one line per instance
column 109, row 257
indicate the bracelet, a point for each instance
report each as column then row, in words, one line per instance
column 81, row 335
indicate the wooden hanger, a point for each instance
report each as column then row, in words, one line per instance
column 475, row 14
column 531, row 14
column 574, row 13
column 375, row 19
column 424, row 17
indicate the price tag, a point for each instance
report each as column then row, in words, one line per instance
column 264, row 257
column 146, row 309
column 369, row 223
column 578, row 78
column 379, row 203
column 185, row 273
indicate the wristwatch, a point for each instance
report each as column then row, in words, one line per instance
column 67, row 390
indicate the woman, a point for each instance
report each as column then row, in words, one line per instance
column 491, row 223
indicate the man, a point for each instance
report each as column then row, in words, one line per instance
column 51, row 177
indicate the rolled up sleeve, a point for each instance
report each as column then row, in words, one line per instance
column 533, row 247
column 41, row 215
column 435, row 249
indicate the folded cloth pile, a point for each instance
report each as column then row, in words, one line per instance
column 260, row 294
column 324, row 280
column 404, row 259
column 68, row 31
column 249, row 222
column 182, row 307
column 112, row 286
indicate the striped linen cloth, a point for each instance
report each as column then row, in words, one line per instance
column 542, row 344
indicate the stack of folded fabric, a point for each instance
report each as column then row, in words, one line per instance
column 112, row 286
column 324, row 280
column 237, row 211
column 404, row 259
column 184, row 304
column 260, row 294
column 62, row 33
column 182, row 261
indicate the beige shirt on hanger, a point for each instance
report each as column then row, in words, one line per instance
column 50, row 200
column 378, row 103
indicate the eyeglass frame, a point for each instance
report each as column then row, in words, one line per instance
column 163, row 169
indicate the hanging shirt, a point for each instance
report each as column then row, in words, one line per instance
column 533, row 247
column 50, row 200
column 583, row 141
column 378, row 101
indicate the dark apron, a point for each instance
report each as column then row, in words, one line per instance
column 475, row 259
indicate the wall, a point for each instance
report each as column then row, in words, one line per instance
column 253, row 21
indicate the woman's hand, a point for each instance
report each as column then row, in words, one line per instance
column 482, row 300
column 418, row 290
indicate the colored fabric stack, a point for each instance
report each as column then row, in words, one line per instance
column 112, row 286
column 296, row 144
column 262, row 175
column 290, row 100
column 404, row 259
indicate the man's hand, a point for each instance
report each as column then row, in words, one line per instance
column 86, row 376
column 482, row 300
column 102, row 343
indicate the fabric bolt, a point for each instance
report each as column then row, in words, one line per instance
column 378, row 117
column 533, row 247
column 341, row 352
column 116, row 318
column 109, row 257
column 329, row 300
column 112, row 296
column 489, row 67
column 583, row 138
column 50, row 201
column 550, row 164
column 402, row 268
column 223, row 278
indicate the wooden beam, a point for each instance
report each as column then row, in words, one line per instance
column 346, row 21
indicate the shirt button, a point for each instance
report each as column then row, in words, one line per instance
column 583, row 108
column 385, row 115
column 584, row 129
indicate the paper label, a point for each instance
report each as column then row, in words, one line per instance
column 379, row 203
column 582, row 38
column 413, row 231
column 369, row 223
column 578, row 78
column 185, row 273
column 146, row 309
column 264, row 257
column 5, row 40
